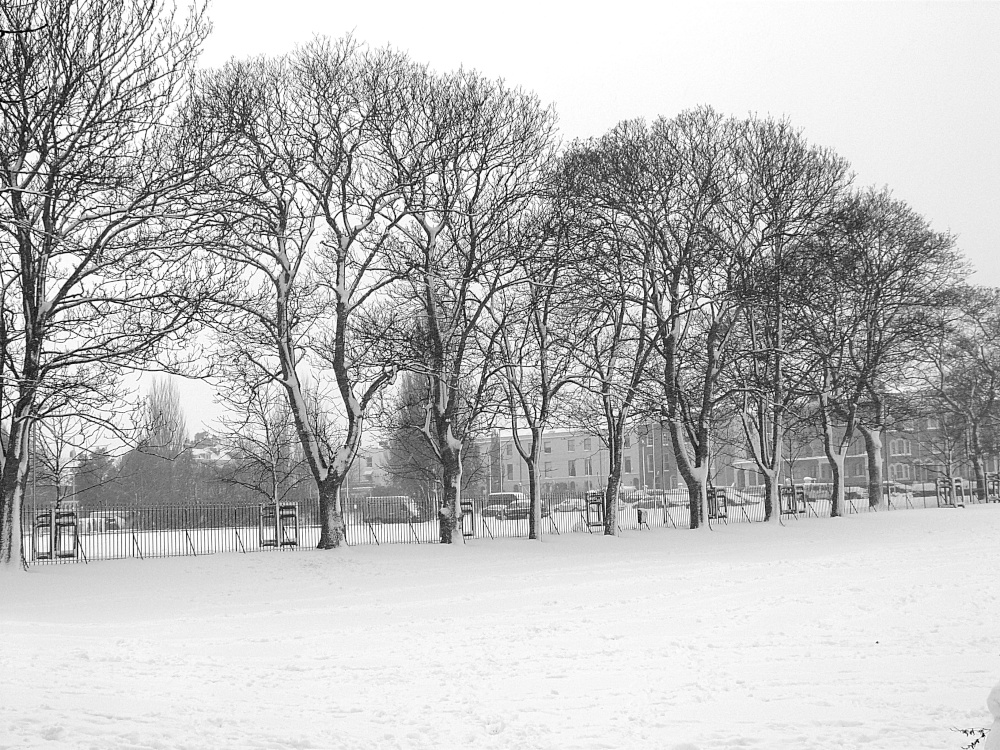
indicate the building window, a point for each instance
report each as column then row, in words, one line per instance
column 627, row 464
column 933, row 423
column 572, row 468
column 898, row 472
column 628, row 442
column 588, row 466
column 547, row 447
column 548, row 468
column 368, row 461
column 899, row 447
column 510, row 471
column 586, row 444
column 570, row 445
column 510, row 449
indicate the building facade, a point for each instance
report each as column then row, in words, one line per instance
column 575, row 461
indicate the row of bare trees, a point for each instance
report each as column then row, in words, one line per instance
column 319, row 221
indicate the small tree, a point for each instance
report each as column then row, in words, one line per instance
column 412, row 463
column 263, row 453
column 158, row 466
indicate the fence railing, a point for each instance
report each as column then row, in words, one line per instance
column 83, row 535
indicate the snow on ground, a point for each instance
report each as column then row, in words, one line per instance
column 872, row 631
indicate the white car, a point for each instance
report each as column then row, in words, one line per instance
column 570, row 505
column 100, row 521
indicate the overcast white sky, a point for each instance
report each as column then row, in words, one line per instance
column 909, row 93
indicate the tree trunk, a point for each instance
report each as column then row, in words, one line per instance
column 771, row 496
column 837, row 496
column 534, row 496
column 448, row 513
column 611, row 500
column 697, row 503
column 836, row 457
column 698, row 496
column 977, row 462
column 332, row 530
column 695, row 476
column 534, row 490
column 13, row 481
column 766, row 454
column 873, row 449
column 980, row 473
column 11, row 534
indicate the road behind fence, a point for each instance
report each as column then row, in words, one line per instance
column 84, row 535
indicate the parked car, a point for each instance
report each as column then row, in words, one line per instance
column 521, row 509
column 571, row 505
column 629, row 495
column 742, row 497
column 497, row 502
column 856, row 493
column 510, row 506
column 390, row 509
column 817, row 491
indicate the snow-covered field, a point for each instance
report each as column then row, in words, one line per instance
column 872, row 631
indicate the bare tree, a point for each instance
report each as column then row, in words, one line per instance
column 58, row 441
column 98, row 272
column 163, row 430
column 961, row 372
column 13, row 22
column 308, row 205
column 263, row 452
column 157, row 467
column 867, row 282
column 878, row 274
column 786, row 191
column 467, row 154
column 536, row 338
column 412, row 463
column 906, row 270
column 676, row 284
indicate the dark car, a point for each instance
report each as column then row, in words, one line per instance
column 510, row 506
column 392, row 509
column 522, row 509
column 497, row 502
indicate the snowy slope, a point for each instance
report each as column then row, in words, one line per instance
column 873, row 631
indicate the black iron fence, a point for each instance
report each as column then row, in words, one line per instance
column 81, row 534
